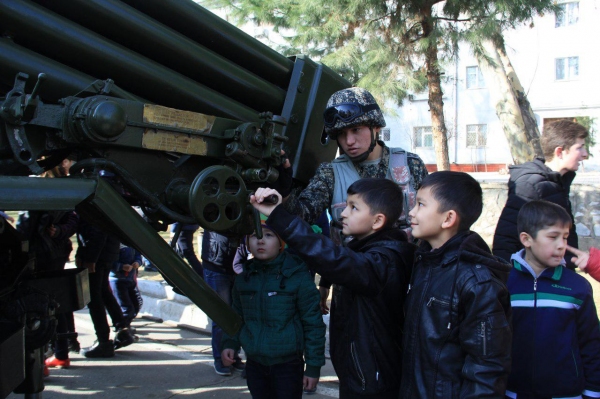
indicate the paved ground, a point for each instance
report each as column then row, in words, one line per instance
column 167, row 362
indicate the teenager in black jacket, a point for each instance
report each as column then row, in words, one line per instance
column 563, row 143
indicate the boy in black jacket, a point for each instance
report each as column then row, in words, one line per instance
column 457, row 335
column 370, row 277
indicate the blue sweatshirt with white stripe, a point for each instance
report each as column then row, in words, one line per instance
column 556, row 334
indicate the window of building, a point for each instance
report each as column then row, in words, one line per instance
column 476, row 135
column 474, row 78
column 385, row 134
column 567, row 15
column 567, row 68
column 423, row 136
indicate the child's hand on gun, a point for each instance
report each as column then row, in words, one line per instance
column 227, row 357
column 258, row 200
column 581, row 257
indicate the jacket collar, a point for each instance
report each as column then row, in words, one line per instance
column 520, row 264
column 284, row 263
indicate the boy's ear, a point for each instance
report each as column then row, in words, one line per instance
column 525, row 239
column 451, row 220
column 558, row 153
column 379, row 221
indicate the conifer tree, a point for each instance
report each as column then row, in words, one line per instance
column 389, row 47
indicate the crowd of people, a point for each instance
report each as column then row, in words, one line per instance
column 421, row 307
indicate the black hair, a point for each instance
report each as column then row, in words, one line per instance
column 381, row 196
column 456, row 191
column 539, row 214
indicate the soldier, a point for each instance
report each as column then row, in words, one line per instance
column 354, row 120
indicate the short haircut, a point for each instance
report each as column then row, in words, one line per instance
column 539, row 214
column 456, row 191
column 563, row 133
column 381, row 196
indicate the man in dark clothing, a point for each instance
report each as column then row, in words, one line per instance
column 217, row 260
column 563, row 143
column 97, row 251
column 185, row 245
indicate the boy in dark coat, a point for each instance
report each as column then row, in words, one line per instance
column 457, row 336
column 556, row 349
column 370, row 277
column 549, row 179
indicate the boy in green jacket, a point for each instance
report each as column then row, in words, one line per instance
column 282, row 323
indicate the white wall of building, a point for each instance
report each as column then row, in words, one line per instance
column 533, row 51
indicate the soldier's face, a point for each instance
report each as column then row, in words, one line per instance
column 355, row 140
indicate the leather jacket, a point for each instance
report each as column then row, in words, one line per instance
column 370, row 278
column 457, row 335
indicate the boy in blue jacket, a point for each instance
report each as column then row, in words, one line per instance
column 370, row 277
column 556, row 344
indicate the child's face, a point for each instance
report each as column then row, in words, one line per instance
column 266, row 248
column 548, row 248
column 357, row 220
column 572, row 156
column 425, row 220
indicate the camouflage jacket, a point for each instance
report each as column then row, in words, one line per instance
column 317, row 196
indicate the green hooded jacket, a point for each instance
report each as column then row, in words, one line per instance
column 279, row 304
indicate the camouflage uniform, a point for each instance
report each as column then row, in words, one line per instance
column 317, row 196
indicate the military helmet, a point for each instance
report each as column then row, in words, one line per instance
column 351, row 107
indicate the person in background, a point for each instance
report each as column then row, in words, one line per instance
column 185, row 245
column 49, row 234
column 556, row 340
column 563, row 143
column 123, row 282
column 217, row 255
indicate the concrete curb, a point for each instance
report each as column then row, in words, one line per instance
column 163, row 305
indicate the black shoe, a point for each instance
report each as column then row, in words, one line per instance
column 239, row 365
column 74, row 346
column 123, row 338
column 99, row 349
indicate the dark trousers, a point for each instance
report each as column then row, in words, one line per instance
column 280, row 381
column 222, row 284
column 129, row 298
column 101, row 301
column 61, row 345
column 185, row 248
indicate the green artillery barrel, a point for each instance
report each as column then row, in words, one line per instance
column 62, row 80
column 204, row 27
column 51, row 35
column 125, row 25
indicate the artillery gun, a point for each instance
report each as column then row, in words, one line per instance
column 188, row 113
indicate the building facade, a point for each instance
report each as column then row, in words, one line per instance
column 557, row 60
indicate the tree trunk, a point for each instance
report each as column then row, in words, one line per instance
column 436, row 103
column 532, row 131
column 510, row 102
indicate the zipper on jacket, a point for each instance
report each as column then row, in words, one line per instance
column 483, row 338
column 434, row 300
column 357, row 365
